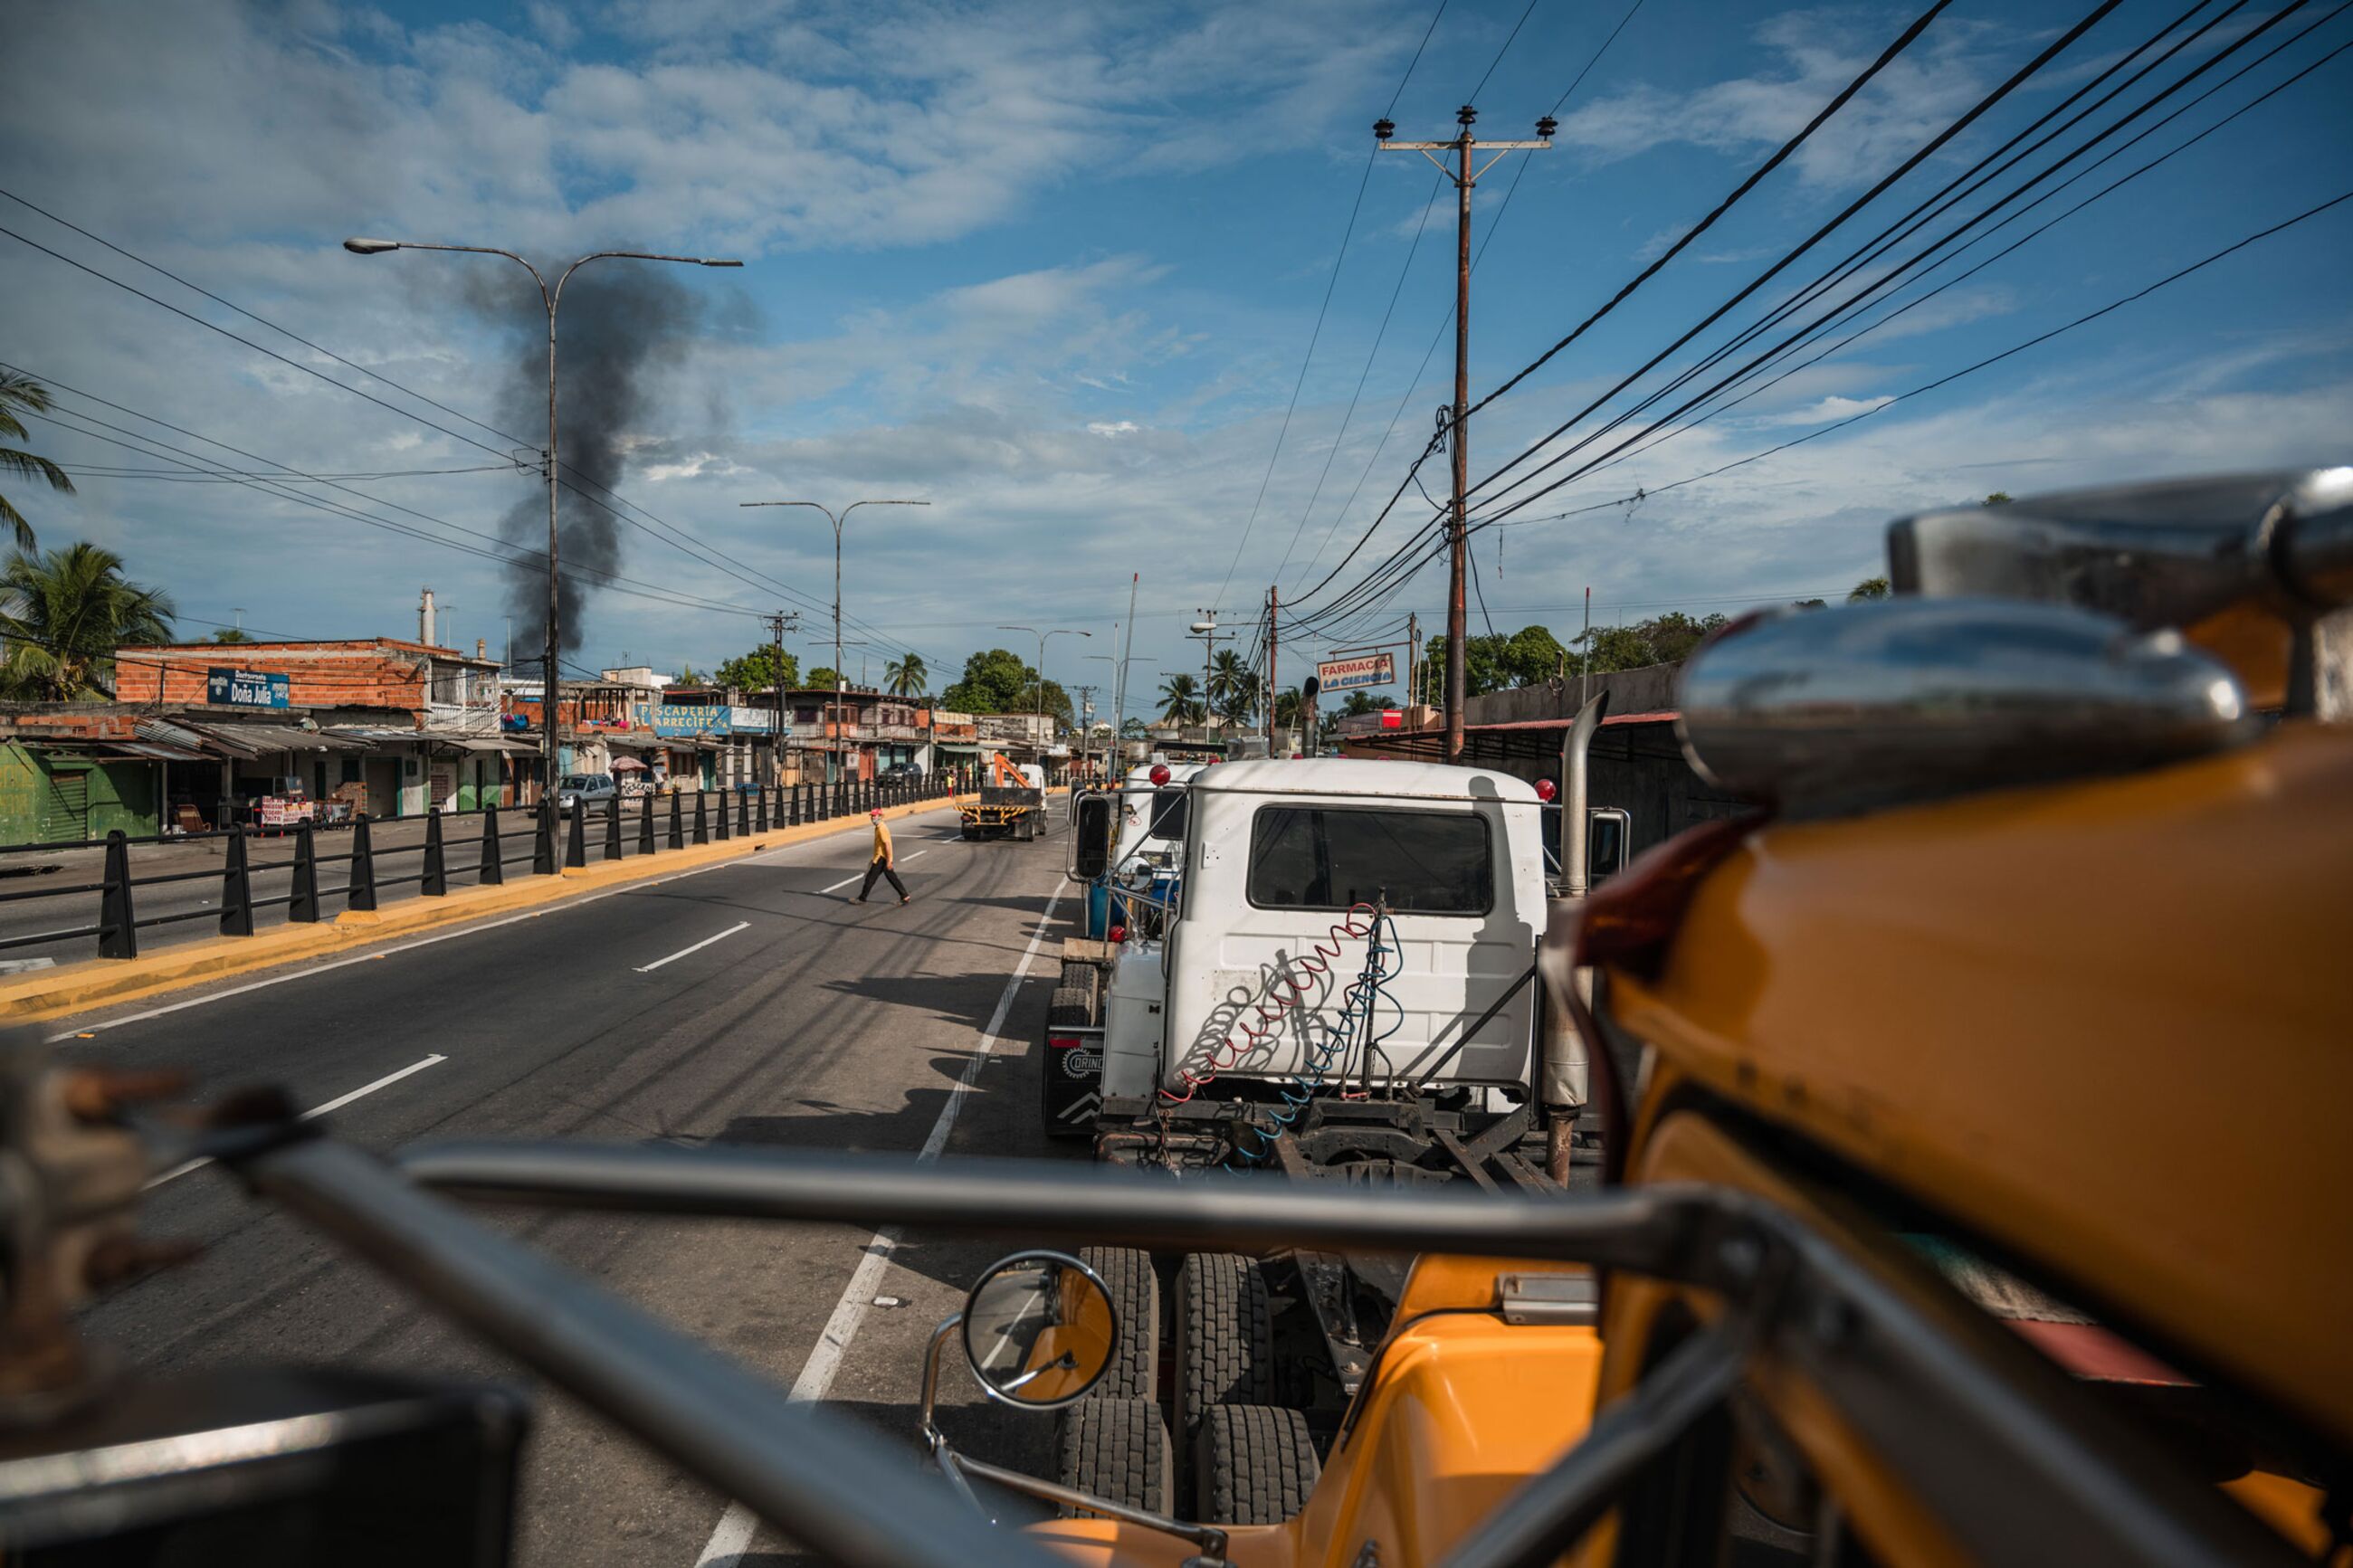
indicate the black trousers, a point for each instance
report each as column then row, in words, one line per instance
column 879, row 867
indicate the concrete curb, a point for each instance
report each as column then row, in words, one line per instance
column 50, row 994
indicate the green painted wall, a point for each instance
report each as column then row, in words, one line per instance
column 52, row 798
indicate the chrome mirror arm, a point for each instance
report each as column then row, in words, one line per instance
column 959, row 1470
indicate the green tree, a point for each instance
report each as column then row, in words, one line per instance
column 1135, row 729
column 906, row 674
column 688, row 676
column 1869, row 588
column 1808, row 604
column 63, row 614
column 1228, row 676
column 1180, row 700
column 759, row 670
column 997, row 681
column 21, row 392
column 1999, row 498
column 230, row 635
column 820, row 679
column 1498, row 662
column 1240, row 699
column 1289, row 707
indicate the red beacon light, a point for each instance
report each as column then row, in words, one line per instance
column 1116, row 934
column 1159, row 773
column 1546, row 790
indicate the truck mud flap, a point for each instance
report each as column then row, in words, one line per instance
column 1070, row 1072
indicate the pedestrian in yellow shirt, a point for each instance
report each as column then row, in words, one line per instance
column 884, row 863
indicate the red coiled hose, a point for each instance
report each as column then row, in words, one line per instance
column 1296, row 976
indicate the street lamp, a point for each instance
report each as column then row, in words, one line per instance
column 550, row 299
column 1041, row 636
column 837, row 520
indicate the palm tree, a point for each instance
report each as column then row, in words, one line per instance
column 905, row 675
column 23, row 392
column 1182, row 698
column 1869, row 588
column 63, row 614
column 1225, row 674
column 1240, row 700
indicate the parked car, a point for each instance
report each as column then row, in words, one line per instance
column 901, row 773
column 590, row 787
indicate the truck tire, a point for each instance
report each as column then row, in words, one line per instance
column 1116, row 1449
column 1134, row 1370
column 1253, row 1464
column 1224, row 1338
column 1079, row 974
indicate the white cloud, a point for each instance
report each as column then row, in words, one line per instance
column 1834, row 407
column 1113, row 427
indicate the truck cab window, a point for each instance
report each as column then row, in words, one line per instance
column 1167, row 815
column 1421, row 862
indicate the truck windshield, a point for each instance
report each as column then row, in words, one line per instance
column 1167, row 815
column 1421, row 862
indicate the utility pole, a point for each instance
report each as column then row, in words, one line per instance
column 1413, row 659
column 777, row 623
column 1206, row 628
column 1086, row 724
column 1273, row 609
column 1465, row 178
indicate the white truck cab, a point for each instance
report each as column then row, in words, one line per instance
column 1265, row 990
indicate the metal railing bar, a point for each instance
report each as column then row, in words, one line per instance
column 31, row 893
column 38, row 937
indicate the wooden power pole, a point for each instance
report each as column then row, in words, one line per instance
column 1465, row 178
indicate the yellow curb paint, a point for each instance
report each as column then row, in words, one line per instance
column 51, row 993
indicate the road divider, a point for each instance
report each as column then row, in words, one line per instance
column 76, row 988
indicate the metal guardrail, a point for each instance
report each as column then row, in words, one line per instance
column 557, row 841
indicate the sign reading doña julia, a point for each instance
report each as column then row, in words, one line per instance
column 244, row 688
column 1364, row 670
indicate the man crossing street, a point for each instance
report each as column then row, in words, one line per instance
column 884, row 864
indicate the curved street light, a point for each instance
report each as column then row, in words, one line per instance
column 836, row 519
column 550, row 298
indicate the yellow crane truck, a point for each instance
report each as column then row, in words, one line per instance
column 1972, row 1192
column 1010, row 803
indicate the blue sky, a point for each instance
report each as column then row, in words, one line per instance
column 1054, row 268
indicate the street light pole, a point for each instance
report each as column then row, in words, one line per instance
column 550, row 299
column 1041, row 636
column 837, row 520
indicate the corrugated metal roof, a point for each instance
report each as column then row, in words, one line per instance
column 261, row 740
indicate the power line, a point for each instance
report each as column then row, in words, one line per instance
column 1316, row 334
column 1946, row 380
column 674, row 536
column 1828, row 322
column 1782, row 154
column 1925, row 151
column 148, row 446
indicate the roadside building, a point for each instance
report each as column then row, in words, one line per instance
column 380, row 725
column 953, row 740
column 857, row 737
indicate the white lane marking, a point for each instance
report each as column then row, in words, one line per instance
column 916, row 856
column 469, row 928
column 737, row 1526
column 335, row 1104
column 698, row 947
column 843, row 883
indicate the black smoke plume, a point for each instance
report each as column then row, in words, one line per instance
column 618, row 324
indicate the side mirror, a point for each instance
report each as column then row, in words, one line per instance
column 1038, row 1331
column 1608, row 832
column 1091, row 852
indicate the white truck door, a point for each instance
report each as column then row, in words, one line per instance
column 1271, row 876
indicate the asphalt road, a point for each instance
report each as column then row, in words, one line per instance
column 750, row 1003
column 32, row 904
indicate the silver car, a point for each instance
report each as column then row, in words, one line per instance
column 590, row 787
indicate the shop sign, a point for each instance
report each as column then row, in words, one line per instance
column 1364, row 670
column 244, row 688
